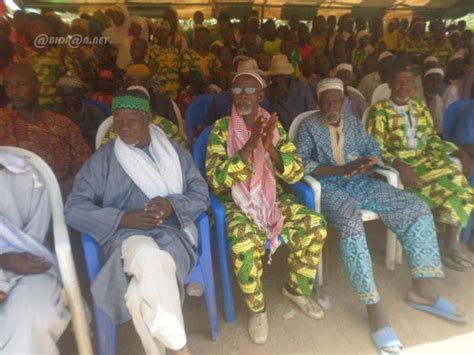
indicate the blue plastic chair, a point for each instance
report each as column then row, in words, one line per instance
column 100, row 105
column 448, row 128
column 303, row 193
column 202, row 273
column 196, row 114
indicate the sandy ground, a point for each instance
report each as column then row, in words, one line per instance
column 344, row 330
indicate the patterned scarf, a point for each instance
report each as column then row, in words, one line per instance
column 256, row 196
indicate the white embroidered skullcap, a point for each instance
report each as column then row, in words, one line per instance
column 431, row 59
column 362, row 34
column 140, row 88
column 458, row 55
column 434, row 71
column 384, row 55
column 344, row 66
column 253, row 74
column 330, row 84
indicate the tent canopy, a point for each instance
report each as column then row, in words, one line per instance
column 305, row 9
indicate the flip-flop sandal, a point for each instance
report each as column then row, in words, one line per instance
column 461, row 259
column 442, row 308
column 385, row 338
column 451, row 264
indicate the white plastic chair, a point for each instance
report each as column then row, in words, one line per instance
column 393, row 249
column 381, row 92
column 102, row 131
column 62, row 249
column 179, row 116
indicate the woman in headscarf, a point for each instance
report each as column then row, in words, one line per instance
column 138, row 28
column 118, row 34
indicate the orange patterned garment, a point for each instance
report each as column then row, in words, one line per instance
column 55, row 138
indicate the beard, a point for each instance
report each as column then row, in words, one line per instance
column 243, row 107
column 332, row 117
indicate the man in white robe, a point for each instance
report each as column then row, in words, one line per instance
column 32, row 315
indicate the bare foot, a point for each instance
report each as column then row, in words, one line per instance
column 377, row 317
column 422, row 292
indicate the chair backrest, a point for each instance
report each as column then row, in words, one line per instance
column 102, row 131
column 179, row 117
column 200, row 149
column 62, row 247
column 297, row 121
column 381, row 92
column 364, row 117
column 196, row 113
column 449, row 117
column 100, row 105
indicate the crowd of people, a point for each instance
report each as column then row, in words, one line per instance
column 375, row 93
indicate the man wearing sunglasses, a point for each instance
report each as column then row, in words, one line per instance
column 248, row 156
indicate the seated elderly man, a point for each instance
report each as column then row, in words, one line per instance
column 403, row 127
column 32, row 316
column 168, row 127
column 287, row 96
column 246, row 153
column 338, row 151
column 138, row 197
column 87, row 117
column 24, row 124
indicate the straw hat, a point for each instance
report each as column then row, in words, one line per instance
column 249, row 65
column 280, row 65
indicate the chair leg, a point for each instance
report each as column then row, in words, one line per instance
column 226, row 280
column 390, row 250
column 465, row 236
column 105, row 332
column 399, row 255
column 319, row 275
column 210, row 295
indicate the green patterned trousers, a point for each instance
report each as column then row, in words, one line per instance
column 303, row 231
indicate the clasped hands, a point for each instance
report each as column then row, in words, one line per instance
column 262, row 131
column 151, row 216
column 358, row 166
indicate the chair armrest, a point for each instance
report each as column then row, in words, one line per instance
column 304, row 193
column 316, row 187
column 391, row 174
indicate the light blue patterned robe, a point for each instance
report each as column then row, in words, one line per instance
column 343, row 198
column 102, row 192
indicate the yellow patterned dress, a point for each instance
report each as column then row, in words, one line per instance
column 445, row 189
column 167, row 64
column 442, row 52
column 49, row 68
column 170, row 129
column 303, row 231
column 203, row 67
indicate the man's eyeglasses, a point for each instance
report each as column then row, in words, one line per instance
column 248, row 90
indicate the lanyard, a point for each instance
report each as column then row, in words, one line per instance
column 410, row 129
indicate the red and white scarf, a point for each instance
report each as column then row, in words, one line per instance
column 256, row 196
